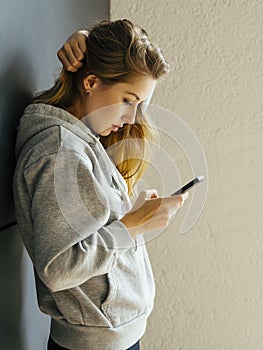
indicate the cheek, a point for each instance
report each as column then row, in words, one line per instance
column 99, row 101
column 112, row 112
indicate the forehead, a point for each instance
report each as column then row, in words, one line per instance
column 142, row 86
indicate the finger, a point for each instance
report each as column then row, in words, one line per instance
column 65, row 62
column 178, row 200
column 145, row 194
column 70, row 56
column 78, row 53
column 184, row 197
column 143, row 197
column 73, row 54
column 82, row 45
column 152, row 194
column 149, row 194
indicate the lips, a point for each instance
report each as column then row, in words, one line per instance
column 116, row 127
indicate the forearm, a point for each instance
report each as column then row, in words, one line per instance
column 129, row 221
column 83, row 260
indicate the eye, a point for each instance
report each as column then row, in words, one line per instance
column 129, row 103
column 140, row 105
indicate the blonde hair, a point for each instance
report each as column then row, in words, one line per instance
column 116, row 52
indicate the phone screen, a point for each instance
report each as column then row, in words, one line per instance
column 189, row 185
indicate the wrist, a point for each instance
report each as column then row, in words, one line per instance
column 131, row 228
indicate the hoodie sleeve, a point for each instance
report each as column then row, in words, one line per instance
column 70, row 209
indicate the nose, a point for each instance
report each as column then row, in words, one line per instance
column 130, row 115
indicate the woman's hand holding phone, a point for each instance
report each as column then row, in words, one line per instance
column 150, row 212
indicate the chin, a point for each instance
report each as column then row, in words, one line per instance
column 105, row 133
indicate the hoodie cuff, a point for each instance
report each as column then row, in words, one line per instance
column 121, row 234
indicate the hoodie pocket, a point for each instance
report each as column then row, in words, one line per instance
column 78, row 309
column 131, row 288
column 128, row 293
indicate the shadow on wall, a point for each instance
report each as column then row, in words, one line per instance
column 15, row 93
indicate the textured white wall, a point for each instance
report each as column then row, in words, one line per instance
column 210, row 281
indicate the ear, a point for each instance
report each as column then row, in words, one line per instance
column 90, row 82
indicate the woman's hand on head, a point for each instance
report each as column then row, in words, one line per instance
column 72, row 53
column 150, row 212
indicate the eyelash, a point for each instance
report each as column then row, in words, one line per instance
column 127, row 102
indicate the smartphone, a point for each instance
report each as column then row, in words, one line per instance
column 189, row 185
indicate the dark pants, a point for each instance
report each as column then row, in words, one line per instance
column 54, row 346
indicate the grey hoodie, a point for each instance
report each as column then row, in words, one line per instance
column 92, row 278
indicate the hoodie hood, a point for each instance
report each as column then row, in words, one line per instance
column 39, row 117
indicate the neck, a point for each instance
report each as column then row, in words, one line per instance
column 75, row 110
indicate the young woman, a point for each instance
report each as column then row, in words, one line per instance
column 72, row 196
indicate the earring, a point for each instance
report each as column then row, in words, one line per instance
column 87, row 91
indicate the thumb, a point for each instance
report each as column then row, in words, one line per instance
column 151, row 193
column 143, row 196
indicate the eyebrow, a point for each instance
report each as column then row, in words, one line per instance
column 132, row 93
